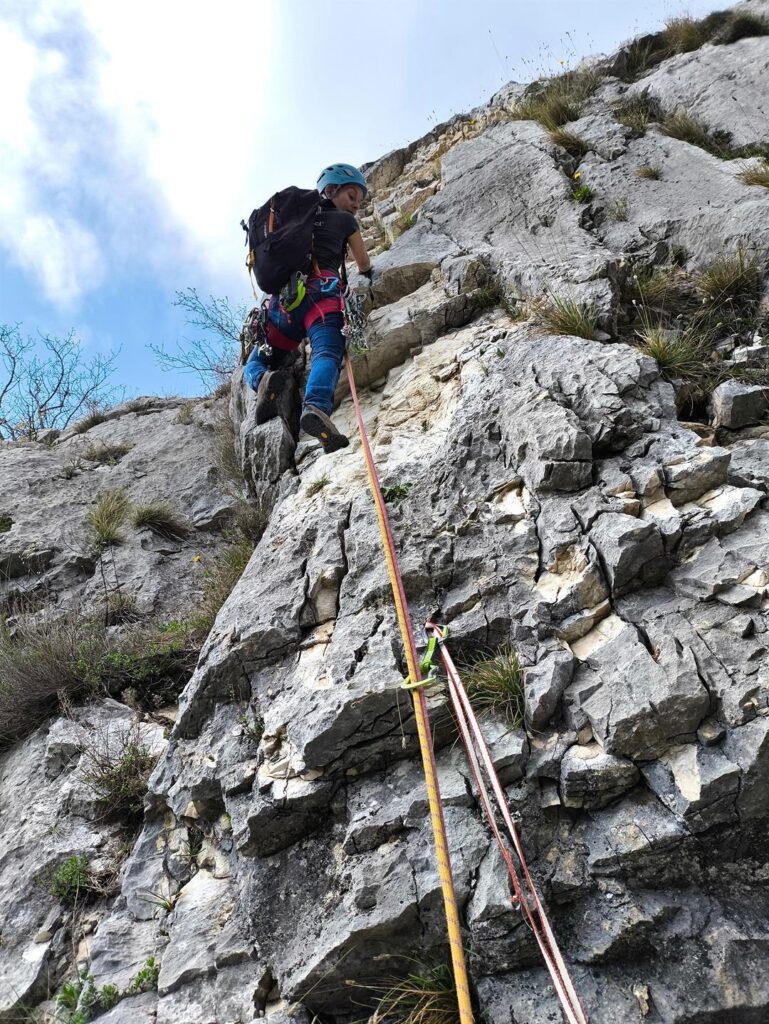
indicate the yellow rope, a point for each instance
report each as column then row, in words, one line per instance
column 425, row 740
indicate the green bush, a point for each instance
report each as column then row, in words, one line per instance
column 118, row 770
column 71, row 879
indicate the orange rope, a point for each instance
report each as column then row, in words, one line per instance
column 423, row 725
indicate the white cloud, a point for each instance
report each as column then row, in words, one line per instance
column 122, row 137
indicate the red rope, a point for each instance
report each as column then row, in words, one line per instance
column 476, row 747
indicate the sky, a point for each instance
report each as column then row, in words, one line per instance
column 134, row 137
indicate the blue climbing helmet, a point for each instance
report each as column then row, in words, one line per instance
column 341, row 174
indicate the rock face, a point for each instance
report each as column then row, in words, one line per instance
column 549, row 498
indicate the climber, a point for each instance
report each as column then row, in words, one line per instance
column 316, row 311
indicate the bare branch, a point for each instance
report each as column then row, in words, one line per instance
column 47, row 383
column 214, row 357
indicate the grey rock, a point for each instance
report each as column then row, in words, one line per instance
column 544, row 684
column 749, row 466
column 736, row 405
column 698, row 783
column 591, row 778
column 687, row 479
column 630, row 550
column 639, row 702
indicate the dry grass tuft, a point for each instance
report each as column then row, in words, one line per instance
column 159, row 517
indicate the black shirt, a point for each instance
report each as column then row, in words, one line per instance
column 332, row 229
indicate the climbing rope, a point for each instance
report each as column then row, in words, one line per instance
column 478, row 753
column 526, row 895
column 423, row 724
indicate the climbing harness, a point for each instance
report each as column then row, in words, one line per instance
column 422, row 719
column 526, row 896
column 421, row 673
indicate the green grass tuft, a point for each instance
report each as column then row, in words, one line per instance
column 107, row 517
column 573, row 144
column 496, row 684
column 565, row 316
column 105, row 454
column 426, row 996
column 317, row 485
column 557, row 100
column 731, row 278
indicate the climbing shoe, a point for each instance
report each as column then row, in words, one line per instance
column 271, row 386
column 318, row 424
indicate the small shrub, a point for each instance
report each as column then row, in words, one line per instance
column 317, row 485
column 394, row 495
column 118, row 770
column 730, row 278
column 253, row 725
column 649, row 171
column 146, row 979
column 582, row 194
column 425, row 996
column 565, row 316
column 109, row 996
column 402, row 224
column 5, row 524
column 757, row 174
column 159, row 517
column 573, row 144
column 618, row 209
column 71, row 879
column 106, row 454
column 94, row 417
column 496, row 684
column 184, row 416
column 107, row 516
column 637, row 112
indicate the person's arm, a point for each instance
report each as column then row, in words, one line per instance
column 359, row 254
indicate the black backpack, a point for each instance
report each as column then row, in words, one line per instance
column 280, row 237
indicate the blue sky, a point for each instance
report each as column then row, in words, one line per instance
column 133, row 137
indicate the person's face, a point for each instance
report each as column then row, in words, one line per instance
column 348, row 198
